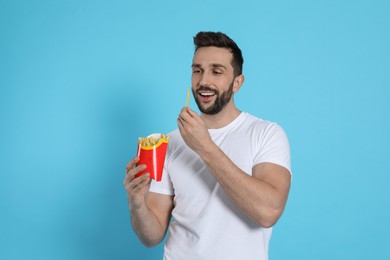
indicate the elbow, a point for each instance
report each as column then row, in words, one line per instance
column 269, row 219
column 268, row 223
column 150, row 243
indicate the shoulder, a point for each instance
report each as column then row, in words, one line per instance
column 261, row 131
column 176, row 142
column 175, row 137
column 260, row 125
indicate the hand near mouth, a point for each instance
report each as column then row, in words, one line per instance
column 193, row 130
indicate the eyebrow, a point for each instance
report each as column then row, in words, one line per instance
column 213, row 65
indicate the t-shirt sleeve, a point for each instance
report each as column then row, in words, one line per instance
column 164, row 186
column 273, row 147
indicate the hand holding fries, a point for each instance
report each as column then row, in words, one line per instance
column 136, row 188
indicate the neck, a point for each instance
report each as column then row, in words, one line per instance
column 223, row 118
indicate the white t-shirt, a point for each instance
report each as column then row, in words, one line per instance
column 206, row 224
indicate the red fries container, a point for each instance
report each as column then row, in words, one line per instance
column 153, row 157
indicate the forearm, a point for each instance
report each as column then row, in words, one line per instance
column 146, row 226
column 257, row 199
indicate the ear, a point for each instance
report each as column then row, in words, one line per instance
column 237, row 83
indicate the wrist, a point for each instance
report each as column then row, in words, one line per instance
column 209, row 151
column 137, row 208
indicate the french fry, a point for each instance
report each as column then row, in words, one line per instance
column 150, row 141
column 188, row 97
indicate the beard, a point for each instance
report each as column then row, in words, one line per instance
column 220, row 102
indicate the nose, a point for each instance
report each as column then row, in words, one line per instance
column 205, row 80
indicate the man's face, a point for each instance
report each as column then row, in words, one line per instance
column 212, row 79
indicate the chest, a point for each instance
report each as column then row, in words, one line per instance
column 192, row 181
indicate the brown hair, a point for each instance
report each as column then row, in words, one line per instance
column 221, row 40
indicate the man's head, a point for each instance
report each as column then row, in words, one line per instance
column 216, row 72
column 221, row 40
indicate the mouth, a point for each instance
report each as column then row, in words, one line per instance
column 206, row 95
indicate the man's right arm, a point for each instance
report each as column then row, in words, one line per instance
column 150, row 212
column 151, row 221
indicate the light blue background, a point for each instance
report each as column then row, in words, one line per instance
column 81, row 80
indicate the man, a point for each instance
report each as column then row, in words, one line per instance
column 226, row 176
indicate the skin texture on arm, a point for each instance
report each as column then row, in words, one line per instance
column 150, row 212
column 261, row 196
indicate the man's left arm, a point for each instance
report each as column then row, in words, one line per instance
column 262, row 196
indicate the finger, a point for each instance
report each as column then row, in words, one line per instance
column 194, row 115
column 180, row 126
column 136, row 170
column 184, row 127
column 183, row 114
column 183, row 110
column 187, row 118
column 130, row 175
column 133, row 184
column 180, row 122
column 139, row 180
column 141, row 185
column 131, row 164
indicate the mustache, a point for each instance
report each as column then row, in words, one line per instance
column 204, row 88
